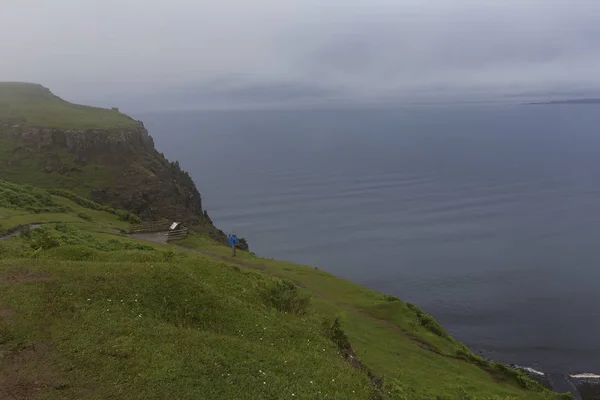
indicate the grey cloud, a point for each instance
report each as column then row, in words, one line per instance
column 185, row 53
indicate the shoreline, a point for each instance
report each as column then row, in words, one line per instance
column 584, row 386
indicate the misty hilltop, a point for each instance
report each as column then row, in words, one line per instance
column 569, row 101
column 33, row 105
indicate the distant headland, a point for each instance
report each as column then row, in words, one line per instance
column 571, row 101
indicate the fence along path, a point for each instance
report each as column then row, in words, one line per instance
column 177, row 234
column 161, row 229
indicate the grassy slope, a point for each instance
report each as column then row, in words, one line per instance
column 23, row 205
column 35, row 105
column 388, row 335
column 109, row 317
column 27, row 166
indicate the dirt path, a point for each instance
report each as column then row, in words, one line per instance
column 18, row 231
column 154, row 237
column 10, row 236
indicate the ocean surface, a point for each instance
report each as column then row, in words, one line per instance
column 487, row 217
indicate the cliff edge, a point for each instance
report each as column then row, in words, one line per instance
column 99, row 153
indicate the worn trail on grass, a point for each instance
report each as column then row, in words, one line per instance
column 17, row 231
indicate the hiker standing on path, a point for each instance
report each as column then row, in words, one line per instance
column 233, row 242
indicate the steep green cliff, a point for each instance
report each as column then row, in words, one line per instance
column 98, row 153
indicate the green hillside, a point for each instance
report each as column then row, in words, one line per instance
column 25, row 105
column 100, row 154
column 34, row 105
column 88, row 312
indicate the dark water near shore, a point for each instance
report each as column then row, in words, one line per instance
column 487, row 217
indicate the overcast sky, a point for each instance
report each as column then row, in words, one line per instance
column 149, row 53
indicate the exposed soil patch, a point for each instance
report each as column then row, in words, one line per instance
column 25, row 373
column 5, row 311
column 23, row 276
column 37, row 372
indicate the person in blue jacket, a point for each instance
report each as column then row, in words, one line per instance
column 233, row 242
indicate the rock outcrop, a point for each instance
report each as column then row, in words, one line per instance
column 99, row 153
column 144, row 181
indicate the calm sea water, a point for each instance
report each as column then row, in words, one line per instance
column 487, row 217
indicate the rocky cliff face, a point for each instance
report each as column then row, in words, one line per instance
column 143, row 180
column 100, row 153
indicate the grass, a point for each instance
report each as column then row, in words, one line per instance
column 24, row 205
column 34, row 105
column 139, row 330
column 24, row 105
column 89, row 313
column 395, row 339
column 28, row 166
column 27, row 198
